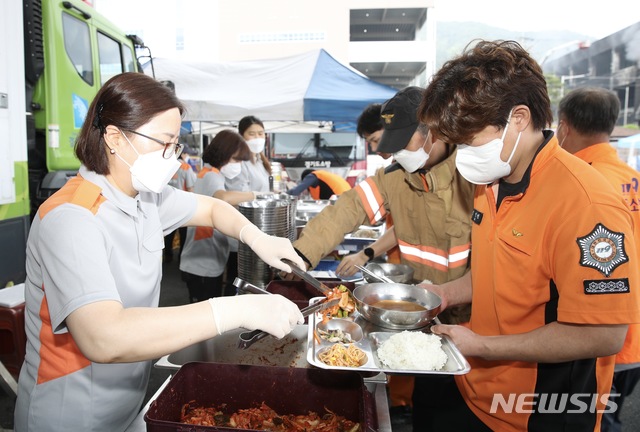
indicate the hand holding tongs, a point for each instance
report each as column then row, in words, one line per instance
column 246, row 339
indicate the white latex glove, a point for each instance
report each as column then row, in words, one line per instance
column 270, row 249
column 274, row 314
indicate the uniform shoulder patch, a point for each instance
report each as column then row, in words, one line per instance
column 602, row 249
column 609, row 286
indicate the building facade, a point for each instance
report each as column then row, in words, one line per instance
column 612, row 62
column 389, row 41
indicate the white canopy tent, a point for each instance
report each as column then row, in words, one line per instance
column 312, row 86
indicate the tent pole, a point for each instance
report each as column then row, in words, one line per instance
column 201, row 143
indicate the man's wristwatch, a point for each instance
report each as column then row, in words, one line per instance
column 369, row 253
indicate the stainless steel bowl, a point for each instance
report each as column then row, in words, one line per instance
column 368, row 297
column 399, row 273
column 346, row 326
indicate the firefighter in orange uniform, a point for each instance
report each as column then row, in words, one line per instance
column 554, row 276
column 587, row 117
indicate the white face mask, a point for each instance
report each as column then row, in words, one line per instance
column 256, row 145
column 412, row 161
column 231, row 170
column 150, row 172
column 482, row 164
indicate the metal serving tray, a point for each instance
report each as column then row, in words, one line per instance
column 374, row 336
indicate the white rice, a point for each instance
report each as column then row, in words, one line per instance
column 413, row 351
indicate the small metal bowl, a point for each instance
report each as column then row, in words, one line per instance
column 368, row 297
column 399, row 273
column 347, row 326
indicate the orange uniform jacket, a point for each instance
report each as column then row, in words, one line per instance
column 604, row 158
column 562, row 250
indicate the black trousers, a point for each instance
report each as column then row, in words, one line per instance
column 168, row 242
column 438, row 406
column 203, row 288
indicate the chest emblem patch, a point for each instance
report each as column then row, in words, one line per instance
column 602, row 249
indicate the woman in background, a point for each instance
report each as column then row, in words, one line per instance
column 206, row 250
column 254, row 176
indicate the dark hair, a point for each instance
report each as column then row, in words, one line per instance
column 244, row 124
column 306, row 173
column 225, row 145
column 590, row 110
column 480, row 87
column 127, row 101
column 247, row 121
column 370, row 120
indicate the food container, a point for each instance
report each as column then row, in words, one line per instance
column 373, row 337
column 371, row 300
column 290, row 351
column 286, row 391
column 343, row 325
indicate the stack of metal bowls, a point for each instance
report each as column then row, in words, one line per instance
column 307, row 210
column 274, row 215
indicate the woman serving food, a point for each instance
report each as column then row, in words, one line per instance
column 94, row 264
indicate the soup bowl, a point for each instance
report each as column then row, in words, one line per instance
column 396, row 306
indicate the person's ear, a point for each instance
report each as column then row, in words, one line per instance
column 521, row 117
column 113, row 138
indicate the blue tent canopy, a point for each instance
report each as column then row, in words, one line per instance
column 336, row 93
column 312, row 86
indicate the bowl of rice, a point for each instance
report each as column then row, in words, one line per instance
column 396, row 306
column 412, row 351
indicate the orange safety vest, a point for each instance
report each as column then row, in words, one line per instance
column 336, row 183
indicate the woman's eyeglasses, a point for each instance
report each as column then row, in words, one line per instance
column 170, row 149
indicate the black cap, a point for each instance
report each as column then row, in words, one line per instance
column 400, row 119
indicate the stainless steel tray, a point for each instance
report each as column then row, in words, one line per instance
column 374, row 336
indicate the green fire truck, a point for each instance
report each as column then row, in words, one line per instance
column 55, row 56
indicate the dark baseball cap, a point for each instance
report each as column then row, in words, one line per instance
column 400, row 119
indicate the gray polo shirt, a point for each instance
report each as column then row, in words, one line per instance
column 205, row 251
column 253, row 177
column 89, row 242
